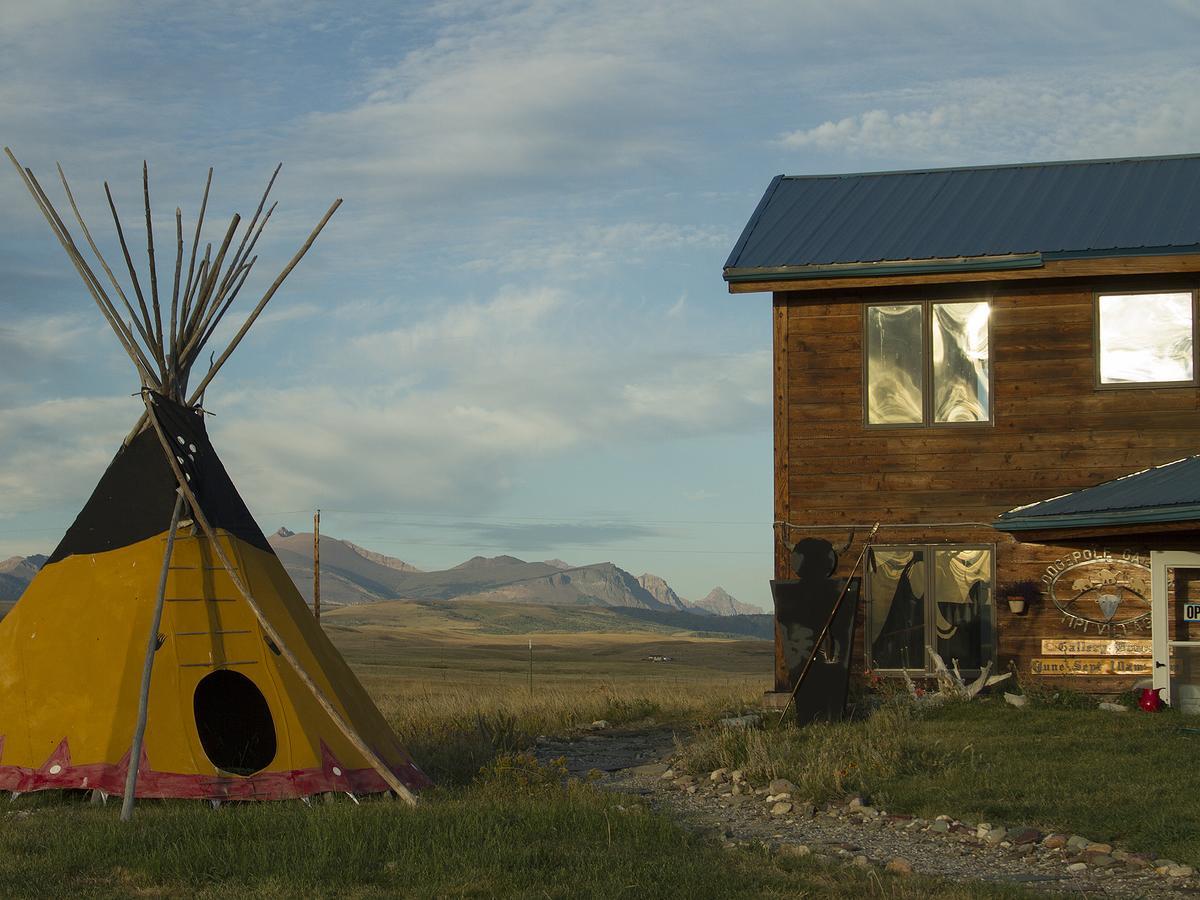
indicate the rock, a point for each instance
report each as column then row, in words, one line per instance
column 599, row 724
column 1077, row 867
column 982, row 829
column 651, row 770
column 944, row 818
column 685, row 780
column 737, row 776
column 691, row 789
column 1097, row 847
column 1096, row 859
column 868, row 812
column 898, row 865
column 1077, row 842
column 750, row 721
column 795, row 850
column 940, row 826
column 1180, row 871
column 669, row 775
column 1113, row 707
column 861, row 861
column 1019, row 836
column 725, row 788
column 1137, row 861
column 781, row 809
column 995, row 836
column 781, row 786
column 805, row 808
column 719, row 775
column 1015, row 700
column 736, row 789
column 1055, row 841
column 854, row 803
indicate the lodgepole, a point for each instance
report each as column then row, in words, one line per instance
column 317, row 566
column 139, row 731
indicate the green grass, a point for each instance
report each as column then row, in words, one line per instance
column 1107, row 776
column 517, row 832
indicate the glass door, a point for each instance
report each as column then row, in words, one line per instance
column 1175, row 627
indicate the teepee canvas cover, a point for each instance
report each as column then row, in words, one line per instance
column 248, row 698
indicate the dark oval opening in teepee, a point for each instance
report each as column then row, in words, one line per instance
column 234, row 722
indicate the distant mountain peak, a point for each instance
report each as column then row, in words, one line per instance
column 480, row 561
column 558, row 563
column 658, row 588
column 721, row 602
column 381, row 560
column 284, row 531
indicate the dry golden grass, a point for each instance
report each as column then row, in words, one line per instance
column 457, row 698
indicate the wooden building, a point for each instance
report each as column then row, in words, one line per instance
column 952, row 345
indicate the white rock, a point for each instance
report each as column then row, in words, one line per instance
column 781, row 809
column 1113, row 707
column 1015, row 699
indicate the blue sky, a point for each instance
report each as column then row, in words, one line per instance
column 513, row 336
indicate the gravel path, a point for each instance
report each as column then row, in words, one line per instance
column 637, row 760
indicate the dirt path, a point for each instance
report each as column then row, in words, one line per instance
column 637, row 761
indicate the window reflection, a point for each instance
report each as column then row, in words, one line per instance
column 897, row 591
column 962, row 605
column 960, row 362
column 1145, row 338
column 894, row 365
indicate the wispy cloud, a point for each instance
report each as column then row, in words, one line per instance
column 1085, row 112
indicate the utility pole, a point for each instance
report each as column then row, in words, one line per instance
column 317, row 566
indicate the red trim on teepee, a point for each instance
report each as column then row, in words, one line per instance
column 110, row 778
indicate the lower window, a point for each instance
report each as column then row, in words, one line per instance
column 937, row 596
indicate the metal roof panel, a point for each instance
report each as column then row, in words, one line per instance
column 1088, row 207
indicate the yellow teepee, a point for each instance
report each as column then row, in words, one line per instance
column 163, row 650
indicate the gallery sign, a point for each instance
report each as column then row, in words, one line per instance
column 1105, row 590
column 1092, row 666
column 1095, row 647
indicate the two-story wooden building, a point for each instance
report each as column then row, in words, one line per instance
column 953, row 345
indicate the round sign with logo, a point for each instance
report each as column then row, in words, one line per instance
column 1100, row 589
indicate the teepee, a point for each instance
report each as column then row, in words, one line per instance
column 162, row 650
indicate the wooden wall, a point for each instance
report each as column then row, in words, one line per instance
column 1053, row 432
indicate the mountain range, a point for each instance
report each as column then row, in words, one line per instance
column 352, row 575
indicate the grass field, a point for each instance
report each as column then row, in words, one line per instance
column 497, row 825
column 1122, row 778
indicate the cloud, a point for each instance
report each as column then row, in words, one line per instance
column 446, row 413
column 1081, row 112
column 545, row 536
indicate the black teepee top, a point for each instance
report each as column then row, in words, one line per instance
column 136, row 495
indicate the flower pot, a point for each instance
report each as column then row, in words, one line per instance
column 1016, row 605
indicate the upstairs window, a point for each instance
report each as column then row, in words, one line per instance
column 928, row 363
column 1146, row 339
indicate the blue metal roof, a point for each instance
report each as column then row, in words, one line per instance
column 985, row 217
column 1166, row 493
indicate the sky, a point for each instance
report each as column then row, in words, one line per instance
column 513, row 336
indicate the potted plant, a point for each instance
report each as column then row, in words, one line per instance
column 1020, row 595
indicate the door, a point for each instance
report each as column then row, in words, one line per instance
column 1175, row 627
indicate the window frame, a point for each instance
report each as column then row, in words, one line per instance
column 1144, row 385
column 927, row 389
column 930, row 619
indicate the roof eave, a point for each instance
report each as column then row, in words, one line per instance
column 883, row 267
column 1099, row 519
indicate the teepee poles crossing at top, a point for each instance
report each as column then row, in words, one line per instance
column 163, row 349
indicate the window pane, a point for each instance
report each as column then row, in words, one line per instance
column 894, row 365
column 1145, row 338
column 896, row 582
column 960, row 362
column 962, row 606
